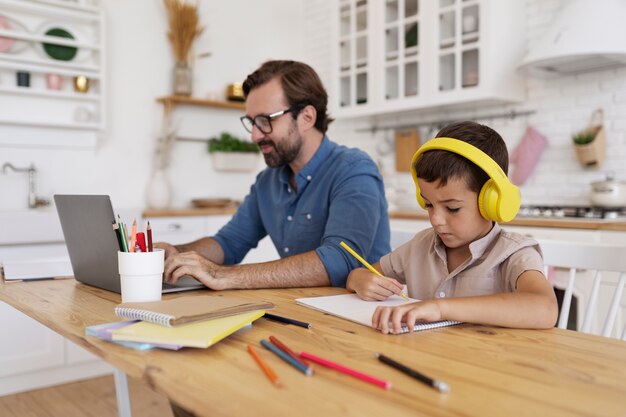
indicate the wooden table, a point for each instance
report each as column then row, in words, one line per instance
column 491, row 371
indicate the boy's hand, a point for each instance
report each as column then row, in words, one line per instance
column 370, row 287
column 390, row 319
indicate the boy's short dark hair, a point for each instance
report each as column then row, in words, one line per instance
column 301, row 86
column 442, row 165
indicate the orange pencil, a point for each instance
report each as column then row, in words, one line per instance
column 268, row 371
column 133, row 236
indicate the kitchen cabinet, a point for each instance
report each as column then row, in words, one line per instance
column 399, row 55
column 184, row 229
column 31, row 355
column 52, row 72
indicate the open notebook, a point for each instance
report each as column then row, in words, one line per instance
column 351, row 307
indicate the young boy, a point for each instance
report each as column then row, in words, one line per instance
column 465, row 267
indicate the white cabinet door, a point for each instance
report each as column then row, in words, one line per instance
column 26, row 345
column 398, row 55
column 177, row 230
column 75, row 354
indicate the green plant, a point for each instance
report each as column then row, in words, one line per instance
column 229, row 143
column 584, row 137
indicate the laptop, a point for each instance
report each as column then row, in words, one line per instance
column 87, row 224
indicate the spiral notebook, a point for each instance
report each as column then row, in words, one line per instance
column 200, row 334
column 351, row 307
column 183, row 310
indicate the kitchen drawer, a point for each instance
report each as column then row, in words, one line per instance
column 177, row 230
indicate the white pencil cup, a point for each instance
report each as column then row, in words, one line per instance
column 141, row 275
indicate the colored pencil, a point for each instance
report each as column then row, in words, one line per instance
column 116, row 230
column 133, row 236
column 122, row 233
column 264, row 366
column 438, row 385
column 365, row 263
column 149, row 232
column 305, row 369
column 287, row 320
column 348, row 371
column 288, row 351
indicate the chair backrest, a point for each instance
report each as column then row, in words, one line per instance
column 602, row 260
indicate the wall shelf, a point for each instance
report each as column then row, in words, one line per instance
column 46, row 106
column 170, row 101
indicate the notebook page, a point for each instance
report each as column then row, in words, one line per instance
column 353, row 308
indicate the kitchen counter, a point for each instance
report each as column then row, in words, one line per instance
column 569, row 223
column 189, row 211
column 562, row 223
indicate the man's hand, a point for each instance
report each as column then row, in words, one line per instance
column 169, row 249
column 369, row 286
column 195, row 265
column 407, row 313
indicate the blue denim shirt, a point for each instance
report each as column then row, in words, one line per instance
column 340, row 196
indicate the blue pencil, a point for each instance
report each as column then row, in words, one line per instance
column 291, row 361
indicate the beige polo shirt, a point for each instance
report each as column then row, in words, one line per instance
column 497, row 260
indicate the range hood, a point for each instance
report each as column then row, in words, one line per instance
column 585, row 36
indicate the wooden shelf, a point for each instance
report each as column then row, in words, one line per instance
column 170, row 101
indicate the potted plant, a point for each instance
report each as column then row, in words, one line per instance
column 590, row 143
column 229, row 153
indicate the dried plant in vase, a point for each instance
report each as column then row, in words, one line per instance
column 184, row 28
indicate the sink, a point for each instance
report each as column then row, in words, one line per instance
column 30, row 226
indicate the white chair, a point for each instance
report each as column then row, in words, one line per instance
column 604, row 261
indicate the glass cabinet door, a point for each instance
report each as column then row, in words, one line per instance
column 401, row 48
column 354, row 56
column 459, row 35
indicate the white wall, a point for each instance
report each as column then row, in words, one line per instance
column 240, row 35
column 563, row 106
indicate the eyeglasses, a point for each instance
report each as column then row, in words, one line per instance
column 262, row 122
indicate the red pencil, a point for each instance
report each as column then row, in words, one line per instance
column 280, row 345
column 348, row 371
column 149, row 231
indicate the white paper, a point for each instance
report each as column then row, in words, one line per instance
column 351, row 307
column 37, row 269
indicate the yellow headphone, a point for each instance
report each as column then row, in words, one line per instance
column 499, row 199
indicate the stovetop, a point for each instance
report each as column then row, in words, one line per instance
column 576, row 212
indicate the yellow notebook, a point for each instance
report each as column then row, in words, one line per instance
column 200, row 334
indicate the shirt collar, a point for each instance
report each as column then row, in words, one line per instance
column 477, row 248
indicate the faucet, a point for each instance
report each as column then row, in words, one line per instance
column 33, row 200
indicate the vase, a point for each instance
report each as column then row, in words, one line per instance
column 183, row 78
column 158, row 191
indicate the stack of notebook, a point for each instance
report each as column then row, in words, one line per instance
column 185, row 321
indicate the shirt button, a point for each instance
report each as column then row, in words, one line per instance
column 286, row 250
column 441, row 294
column 308, row 177
column 308, row 216
column 289, row 218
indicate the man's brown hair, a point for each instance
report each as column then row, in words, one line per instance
column 442, row 165
column 301, row 86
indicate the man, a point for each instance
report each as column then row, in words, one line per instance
column 313, row 194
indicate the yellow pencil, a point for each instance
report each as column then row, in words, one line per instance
column 365, row 263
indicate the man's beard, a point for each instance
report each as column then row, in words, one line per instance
column 285, row 151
